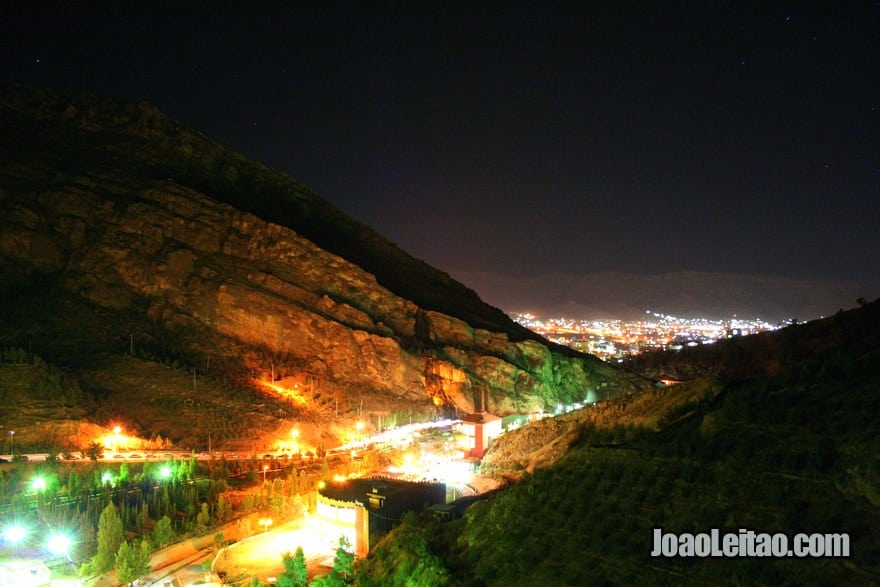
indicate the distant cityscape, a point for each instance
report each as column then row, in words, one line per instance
column 615, row 340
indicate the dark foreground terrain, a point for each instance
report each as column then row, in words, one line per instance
column 795, row 451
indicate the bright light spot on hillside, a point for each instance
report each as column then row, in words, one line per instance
column 291, row 393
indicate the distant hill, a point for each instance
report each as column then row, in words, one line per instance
column 626, row 296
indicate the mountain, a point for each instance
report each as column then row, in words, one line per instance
column 789, row 448
column 128, row 242
column 691, row 294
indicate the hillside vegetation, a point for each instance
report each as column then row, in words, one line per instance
column 798, row 451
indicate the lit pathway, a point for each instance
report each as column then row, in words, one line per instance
column 261, row 554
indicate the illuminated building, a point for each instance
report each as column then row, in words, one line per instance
column 364, row 510
column 481, row 428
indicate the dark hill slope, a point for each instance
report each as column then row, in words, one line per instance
column 847, row 332
column 79, row 135
column 796, row 452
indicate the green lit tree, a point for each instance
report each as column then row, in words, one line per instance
column 163, row 533
column 343, row 562
column 132, row 562
column 109, row 539
column 203, row 518
column 295, row 571
column 343, row 567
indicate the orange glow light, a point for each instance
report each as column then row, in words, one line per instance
column 291, row 394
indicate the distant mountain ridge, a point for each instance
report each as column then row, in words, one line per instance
column 614, row 294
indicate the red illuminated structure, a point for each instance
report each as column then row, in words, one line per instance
column 482, row 427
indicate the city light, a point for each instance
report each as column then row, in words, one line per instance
column 38, row 483
column 619, row 339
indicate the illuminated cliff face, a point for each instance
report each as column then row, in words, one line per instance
column 139, row 241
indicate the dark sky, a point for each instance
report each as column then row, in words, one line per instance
column 642, row 137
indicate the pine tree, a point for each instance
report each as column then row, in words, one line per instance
column 295, row 572
column 343, row 562
column 163, row 533
column 132, row 562
column 203, row 519
column 109, row 538
column 343, row 567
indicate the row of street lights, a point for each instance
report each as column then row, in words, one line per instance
column 58, row 543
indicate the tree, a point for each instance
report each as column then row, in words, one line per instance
column 163, row 533
column 132, row 562
column 203, row 518
column 74, row 484
column 109, row 539
column 295, row 571
column 223, row 511
column 343, row 562
column 52, row 456
column 95, row 451
column 343, row 567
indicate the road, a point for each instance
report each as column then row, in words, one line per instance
column 261, row 555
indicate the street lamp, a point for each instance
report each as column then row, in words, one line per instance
column 60, row 544
column 14, row 534
column 265, row 523
column 38, row 483
column 12, row 441
column 265, row 468
column 294, row 446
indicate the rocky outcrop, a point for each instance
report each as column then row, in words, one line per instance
column 117, row 233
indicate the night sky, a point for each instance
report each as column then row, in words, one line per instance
column 641, row 137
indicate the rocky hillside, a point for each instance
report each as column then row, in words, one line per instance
column 241, row 269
